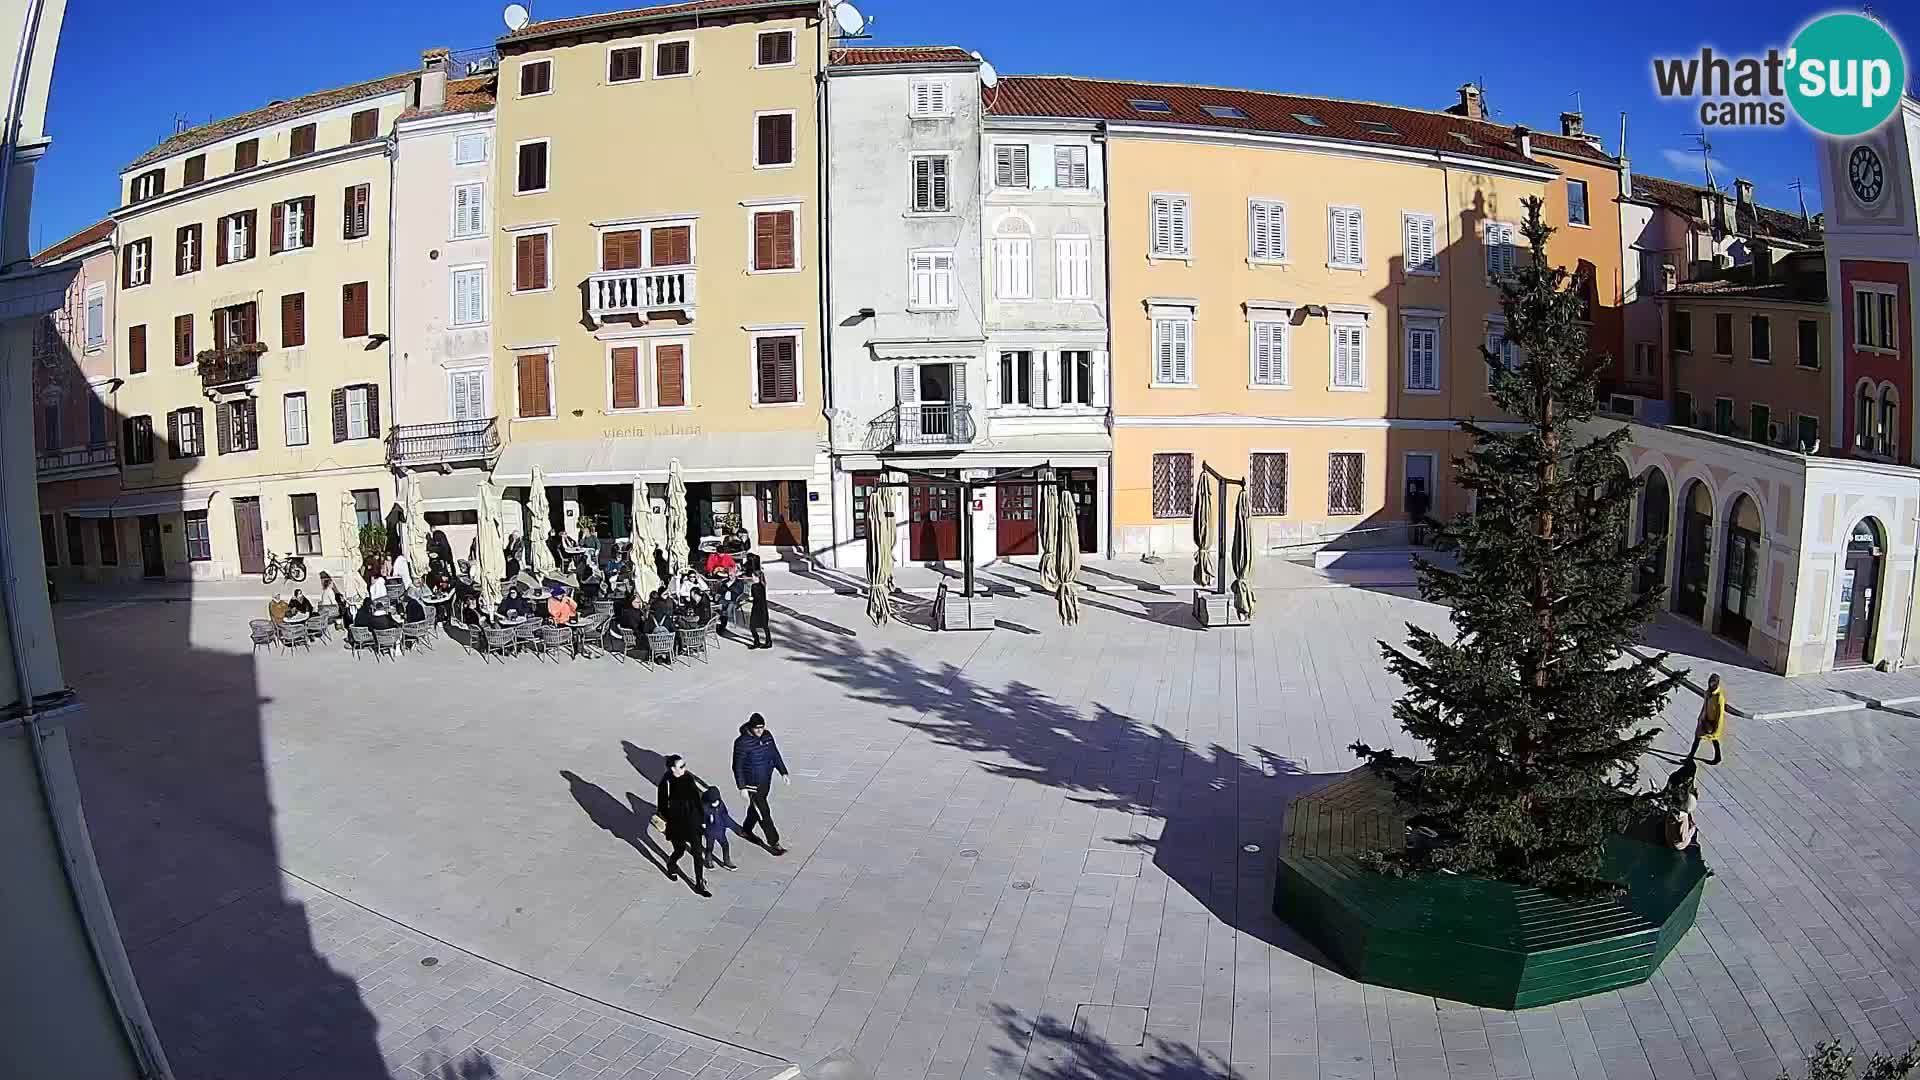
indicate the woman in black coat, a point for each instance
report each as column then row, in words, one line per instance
column 758, row 621
column 685, row 813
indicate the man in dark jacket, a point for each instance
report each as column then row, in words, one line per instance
column 756, row 757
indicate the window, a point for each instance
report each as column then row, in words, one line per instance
column 1423, row 252
column 1267, row 484
column 137, row 264
column 356, row 219
column 773, row 240
column 293, row 320
column 626, row 65
column 775, row 48
column 49, row 548
column 1309, row 119
column 468, row 391
column 865, row 485
column 623, row 364
column 199, row 543
column 353, row 310
column 96, row 419
column 1223, row 112
column 469, row 296
column 1266, row 230
column 671, row 58
column 1762, row 330
column 1016, row 377
column 195, row 169
column 1070, row 167
column 1501, row 253
column 365, row 125
column 1172, row 485
column 536, row 77
column 306, row 525
column 532, row 175
column 530, row 262
column 233, row 325
column 138, row 440
column 1376, row 127
column 670, row 245
column 96, row 316
column 1076, row 377
column 182, row 340
column 137, row 349
column 1010, row 166
column 773, row 140
column 294, row 410
column 109, row 543
column 930, row 185
column 1889, row 422
column 930, row 280
column 1643, row 360
column 147, row 185
column 1875, row 317
column 238, row 431
column 1652, row 275
column 1722, row 334
column 292, row 225
column 1759, row 418
column 470, row 149
column 927, row 100
column 1170, row 226
column 302, row 142
column 76, row 542
column 1149, row 105
column 51, row 436
column 1504, row 351
column 1269, row 352
column 1350, row 354
column 1809, row 343
column 1863, row 436
column 1423, row 356
column 1346, row 483
column 186, row 249
column 1346, row 239
column 1577, row 202
column 1683, row 409
column 366, row 507
column 1683, row 331
column 1073, row 267
column 536, row 398
column 1808, row 434
column 469, row 210
column 776, row 362
column 356, row 413
column 622, row 250
column 236, row 238
column 246, row 154
column 1013, row 267
column 1723, row 416
column 1173, row 352
column 669, row 376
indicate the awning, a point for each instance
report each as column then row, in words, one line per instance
column 138, row 503
column 1012, row 452
column 445, row 492
column 925, row 349
column 758, row 455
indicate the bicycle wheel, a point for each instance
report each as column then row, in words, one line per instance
column 270, row 573
column 297, row 571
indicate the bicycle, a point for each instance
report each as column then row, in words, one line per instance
column 294, row 566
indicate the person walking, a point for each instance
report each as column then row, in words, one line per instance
column 1713, row 719
column 683, row 818
column 756, row 757
column 759, row 623
column 719, row 823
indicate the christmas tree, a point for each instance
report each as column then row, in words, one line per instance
column 1535, row 716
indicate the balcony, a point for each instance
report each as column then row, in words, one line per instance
column 444, row 443
column 619, row 294
column 230, row 365
column 96, row 459
column 925, row 426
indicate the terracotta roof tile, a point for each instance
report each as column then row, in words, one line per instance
column 1102, row 99
column 1571, row 147
column 690, row 7
column 273, row 114
column 85, row 238
column 900, row 54
column 1805, row 292
column 472, row 94
column 1684, row 199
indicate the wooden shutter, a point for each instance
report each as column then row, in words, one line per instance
column 906, row 384
column 173, row 435
column 182, row 340
column 618, row 250
column 778, row 373
column 306, row 220
column 366, row 124
column 195, row 169
column 673, row 246
column 137, row 348
column 303, row 140
column 763, row 241
column 530, row 261
column 626, row 377
column 776, row 139
column 247, row 316
column 221, row 227
column 252, row 218
column 670, row 376
column 373, row 410
column 776, row 48
column 623, row 65
column 340, row 415
column 536, row 77
column 532, row 373
column 293, row 320
column 246, row 154
column 353, row 310
column 275, row 243
column 223, row 427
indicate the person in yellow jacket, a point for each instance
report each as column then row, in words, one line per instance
column 1713, row 720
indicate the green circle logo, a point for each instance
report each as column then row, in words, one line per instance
column 1845, row 74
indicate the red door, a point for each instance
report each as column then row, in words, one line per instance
column 783, row 513
column 934, row 523
column 246, row 532
column 1017, row 532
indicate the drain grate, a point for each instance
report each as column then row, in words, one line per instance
column 429, row 961
column 1022, row 886
column 969, row 852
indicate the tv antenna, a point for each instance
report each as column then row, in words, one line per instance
column 849, row 20
column 516, row 16
column 1576, row 101
column 1800, row 189
column 989, row 78
column 1706, row 156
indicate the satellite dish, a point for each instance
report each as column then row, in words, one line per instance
column 848, row 19
column 989, row 78
column 517, row 16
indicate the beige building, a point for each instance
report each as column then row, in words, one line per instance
column 658, row 293
column 252, row 331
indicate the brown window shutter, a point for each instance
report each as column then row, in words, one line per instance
column 523, row 262
column 533, row 167
column 246, row 154
column 173, row 434
column 373, row 410
column 340, row 415
column 535, row 394
column 620, row 250
column 537, row 261
column 279, row 227
column 346, row 217
column 293, row 320
column 626, row 377
column 220, row 227
column 670, row 375
column 223, row 426
column 306, row 221
column 353, row 310
column 195, row 170
column 137, row 348
column 673, row 246
column 249, row 323
column 126, row 268
column 253, row 230
column 763, row 241
column 354, row 223
column 536, row 77
column 366, row 124
column 182, row 340
column 778, row 375
column 783, row 225
column 303, row 140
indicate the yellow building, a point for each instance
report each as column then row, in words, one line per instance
column 1299, row 291
column 251, row 325
column 658, row 289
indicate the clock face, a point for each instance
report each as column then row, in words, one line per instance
column 1866, row 175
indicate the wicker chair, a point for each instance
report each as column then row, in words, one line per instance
column 500, row 640
column 360, row 639
column 387, row 640
column 629, row 641
column 295, row 635
column 526, row 636
column 419, row 634
column 603, row 607
column 660, row 646
column 263, row 633
column 693, row 643
column 554, row 640
column 593, row 634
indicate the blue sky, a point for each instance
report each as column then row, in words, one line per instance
column 125, row 70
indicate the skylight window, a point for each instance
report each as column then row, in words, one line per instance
column 1309, row 119
column 1465, row 139
column 1149, row 105
column 1224, row 112
column 1377, row 127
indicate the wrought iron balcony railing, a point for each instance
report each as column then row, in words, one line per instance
column 922, row 425
column 444, row 443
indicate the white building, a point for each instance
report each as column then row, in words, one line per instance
column 445, row 435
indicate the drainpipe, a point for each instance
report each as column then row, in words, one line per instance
column 1906, row 629
column 393, row 380
column 822, row 150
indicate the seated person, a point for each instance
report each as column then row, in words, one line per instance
column 415, row 610
column 276, row 610
column 299, row 605
column 364, row 616
column 514, row 606
column 660, row 607
column 632, row 616
column 332, row 601
column 561, row 608
column 720, row 562
column 702, row 607
column 380, row 617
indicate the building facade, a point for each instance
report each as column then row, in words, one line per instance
column 252, row 331
column 639, row 323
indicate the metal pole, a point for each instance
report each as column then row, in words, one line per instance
column 1220, row 579
column 966, row 535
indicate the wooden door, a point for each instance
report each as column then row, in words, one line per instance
column 933, row 516
column 1017, row 532
column 247, row 534
column 783, row 513
column 1857, row 608
column 1086, row 503
column 1696, row 553
column 1739, row 582
column 152, row 562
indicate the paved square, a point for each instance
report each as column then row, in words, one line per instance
column 1036, row 852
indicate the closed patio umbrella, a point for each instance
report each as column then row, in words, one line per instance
column 880, row 530
column 350, row 538
column 1243, row 555
column 416, row 538
column 1203, row 532
column 1049, row 559
column 1066, row 541
column 492, row 566
column 645, row 578
column 675, row 542
column 539, row 525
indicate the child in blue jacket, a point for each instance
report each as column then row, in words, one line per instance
column 719, row 823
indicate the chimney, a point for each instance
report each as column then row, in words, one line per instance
column 1669, row 277
column 1743, row 200
column 1573, row 125
column 1470, row 105
column 1524, row 138
column 1762, row 264
column 433, row 79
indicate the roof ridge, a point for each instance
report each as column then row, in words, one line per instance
column 200, row 129
column 69, row 238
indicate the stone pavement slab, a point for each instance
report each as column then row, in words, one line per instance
column 1762, row 695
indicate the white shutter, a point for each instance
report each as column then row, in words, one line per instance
column 1344, row 247
column 1499, row 248
column 1349, row 357
column 1010, row 166
column 1073, row 267
column 1070, row 167
column 906, row 384
column 922, row 99
column 943, row 281
column 1269, row 354
column 1423, row 359
column 1162, row 226
column 1179, row 227
column 1421, row 247
column 1183, row 351
column 1163, row 350
column 1013, row 268
column 1266, row 230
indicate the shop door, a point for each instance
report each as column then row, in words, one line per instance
column 1017, row 532
column 933, row 515
column 247, row 534
column 783, row 514
column 1857, row 608
column 1086, row 503
column 1739, row 584
column 152, row 562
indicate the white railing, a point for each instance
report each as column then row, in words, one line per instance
column 612, row 293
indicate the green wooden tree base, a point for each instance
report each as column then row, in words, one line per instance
column 1469, row 939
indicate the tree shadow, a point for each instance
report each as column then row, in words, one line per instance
column 1101, row 1043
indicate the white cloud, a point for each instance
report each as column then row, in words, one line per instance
column 1688, row 161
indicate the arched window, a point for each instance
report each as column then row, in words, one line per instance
column 1863, row 433
column 1889, row 420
